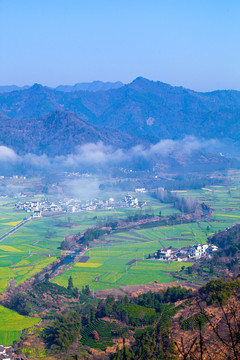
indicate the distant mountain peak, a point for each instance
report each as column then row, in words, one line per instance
column 144, row 82
column 145, row 85
column 37, row 87
column 141, row 78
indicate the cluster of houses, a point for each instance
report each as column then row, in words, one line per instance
column 186, row 253
column 130, row 201
column 7, row 353
column 37, row 208
column 62, row 206
column 141, row 190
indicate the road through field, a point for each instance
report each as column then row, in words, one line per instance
column 13, row 230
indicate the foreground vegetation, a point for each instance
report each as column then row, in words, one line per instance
column 176, row 323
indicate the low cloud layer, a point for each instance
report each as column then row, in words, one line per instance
column 7, row 155
column 99, row 155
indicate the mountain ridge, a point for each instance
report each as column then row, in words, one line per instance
column 144, row 109
column 85, row 86
column 58, row 133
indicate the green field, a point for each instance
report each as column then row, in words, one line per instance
column 125, row 246
column 12, row 324
column 112, row 269
column 37, row 244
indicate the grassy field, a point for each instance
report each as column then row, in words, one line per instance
column 112, row 269
column 37, row 244
column 12, row 324
column 108, row 267
column 9, row 218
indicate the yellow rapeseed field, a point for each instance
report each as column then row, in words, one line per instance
column 88, row 265
column 235, row 216
column 179, row 191
column 12, row 223
column 9, row 248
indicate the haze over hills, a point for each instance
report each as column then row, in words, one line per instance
column 43, row 120
column 143, row 106
column 92, row 86
column 9, row 88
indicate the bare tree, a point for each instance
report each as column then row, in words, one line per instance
column 219, row 338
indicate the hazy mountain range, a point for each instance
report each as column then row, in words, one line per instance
column 43, row 120
column 93, row 86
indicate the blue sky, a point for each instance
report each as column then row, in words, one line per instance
column 193, row 43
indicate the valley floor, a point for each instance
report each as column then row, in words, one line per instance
column 119, row 264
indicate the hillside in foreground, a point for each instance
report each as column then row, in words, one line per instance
column 176, row 323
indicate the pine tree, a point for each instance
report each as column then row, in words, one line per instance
column 75, row 292
column 70, row 284
column 87, row 290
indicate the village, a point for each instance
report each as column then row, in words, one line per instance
column 8, row 353
column 184, row 254
column 46, row 207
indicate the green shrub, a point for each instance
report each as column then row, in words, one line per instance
column 195, row 321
